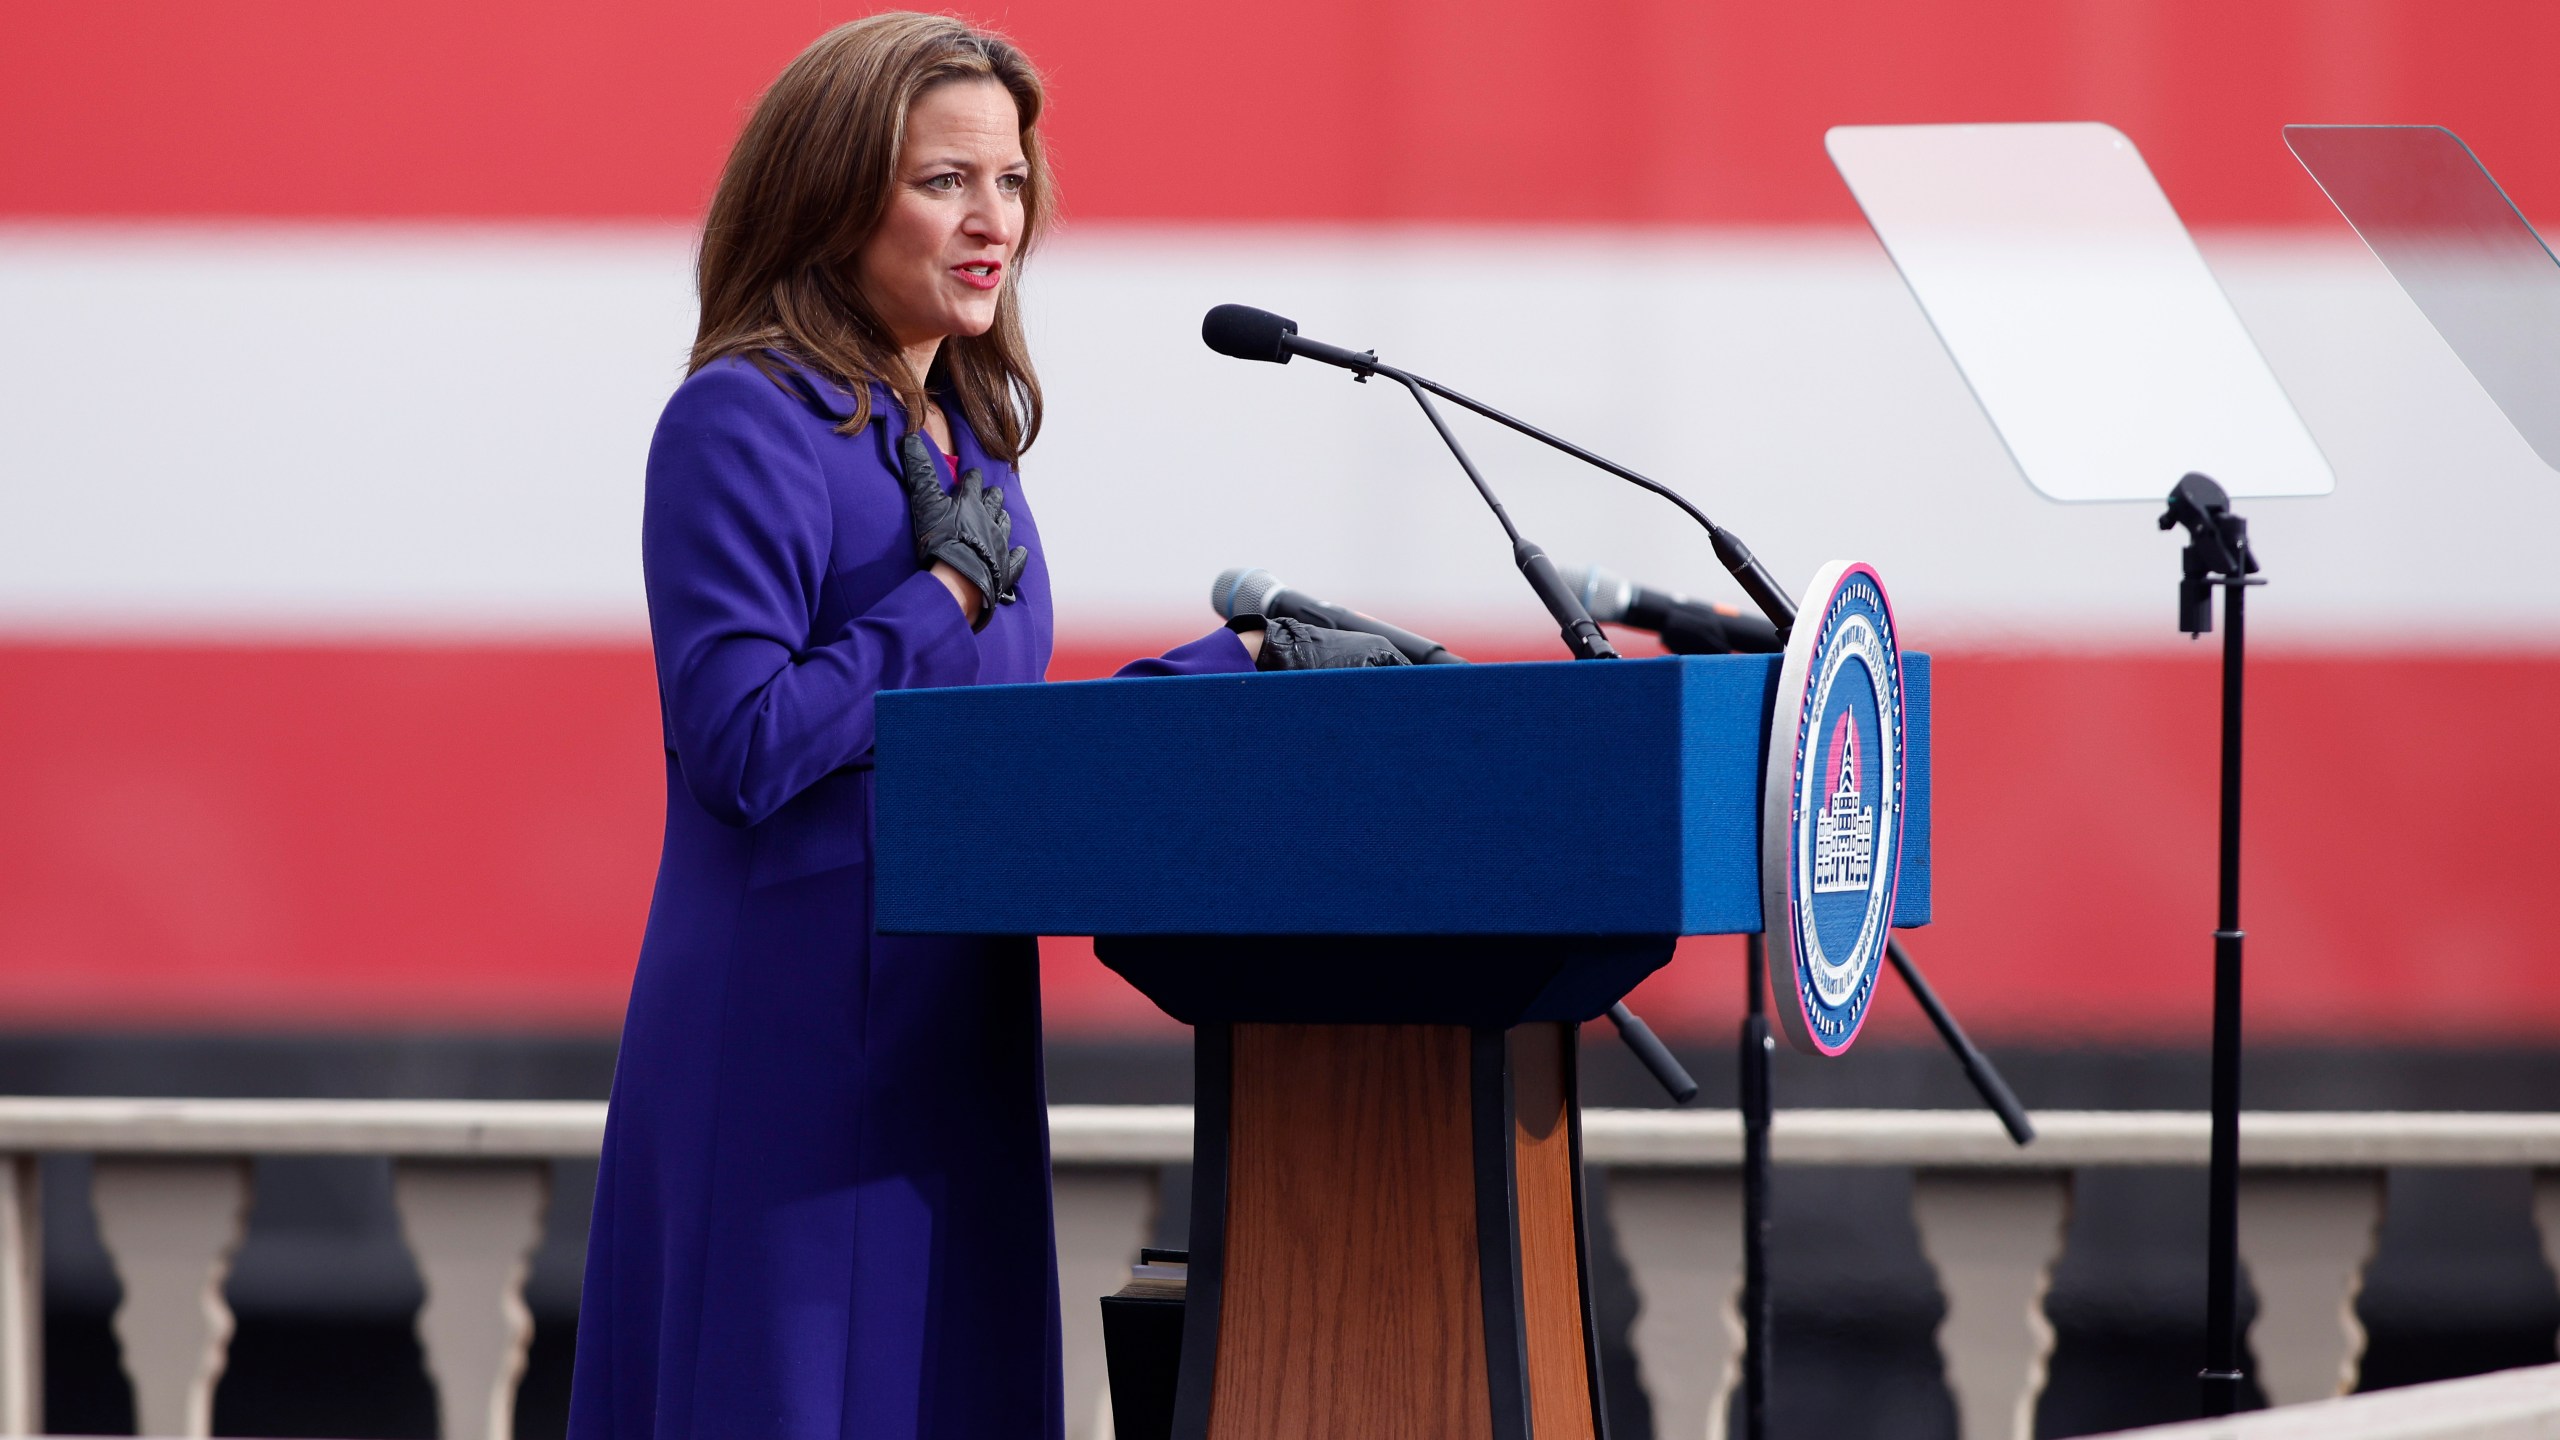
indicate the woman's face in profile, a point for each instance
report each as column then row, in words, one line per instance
column 939, row 260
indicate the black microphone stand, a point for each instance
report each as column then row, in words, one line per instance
column 1757, row 1047
column 2217, row 554
column 1756, row 1054
column 1581, row 634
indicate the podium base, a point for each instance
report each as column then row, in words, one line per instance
column 1387, row 1236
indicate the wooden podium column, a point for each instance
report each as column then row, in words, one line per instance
column 1546, row 1141
column 1387, row 1237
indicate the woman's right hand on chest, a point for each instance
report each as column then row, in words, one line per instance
column 964, row 532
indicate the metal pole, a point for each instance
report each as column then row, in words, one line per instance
column 2222, row 1372
column 1756, row 1051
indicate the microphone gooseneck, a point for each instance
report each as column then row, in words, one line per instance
column 1250, row 334
column 1244, row 327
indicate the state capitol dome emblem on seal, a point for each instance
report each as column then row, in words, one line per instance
column 1832, row 806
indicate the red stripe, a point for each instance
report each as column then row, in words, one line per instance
column 316, row 836
column 313, row 835
column 2398, row 834
column 1627, row 111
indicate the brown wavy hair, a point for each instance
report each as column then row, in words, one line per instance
column 810, row 179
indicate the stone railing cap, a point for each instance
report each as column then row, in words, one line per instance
column 1161, row 1134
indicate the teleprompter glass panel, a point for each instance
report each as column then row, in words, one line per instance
column 2078, row 308
column 2444, row 229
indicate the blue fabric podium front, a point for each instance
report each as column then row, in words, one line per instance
column 1385, row 899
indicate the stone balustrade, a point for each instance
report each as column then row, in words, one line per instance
column 2508, row 1405
column 471, row 1180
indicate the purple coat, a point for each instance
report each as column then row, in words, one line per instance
column 824, row 1204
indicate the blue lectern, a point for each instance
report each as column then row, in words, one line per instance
column 1384, row 899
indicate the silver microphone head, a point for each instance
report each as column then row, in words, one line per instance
column 1242, row 591
column 1603, row 595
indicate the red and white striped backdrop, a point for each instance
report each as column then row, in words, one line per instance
column 333, row 336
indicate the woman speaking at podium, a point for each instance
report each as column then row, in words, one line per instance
column 824, row 1203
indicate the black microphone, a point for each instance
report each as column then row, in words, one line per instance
column 1243, row 591
column 1249, row 334
column 1687, row 626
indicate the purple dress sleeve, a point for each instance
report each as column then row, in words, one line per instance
column 735, row 546
column 1217, row 653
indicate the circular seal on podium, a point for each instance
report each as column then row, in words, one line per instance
column 1831, row 798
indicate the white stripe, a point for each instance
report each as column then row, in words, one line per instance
column 404, row 430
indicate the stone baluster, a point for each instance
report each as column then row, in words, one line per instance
column 171, row 1227
column 1680, row 1232
column 21, row 1296
column 2546, row 1216
column 1104, row 1215
column 1993, row 1238
column 472, row 1227
column 2306, row 1237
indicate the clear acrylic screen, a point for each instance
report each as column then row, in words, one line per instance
column 2453, row 240
column 2078, row 308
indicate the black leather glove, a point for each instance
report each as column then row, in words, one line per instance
column 1296, row 645
column 965, row 529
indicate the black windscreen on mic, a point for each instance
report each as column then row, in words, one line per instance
column 1250, row 334
column 1247, row 333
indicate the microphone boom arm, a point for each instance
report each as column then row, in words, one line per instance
column 1581, row 634
column 1245, row 333
column 1737, row 559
